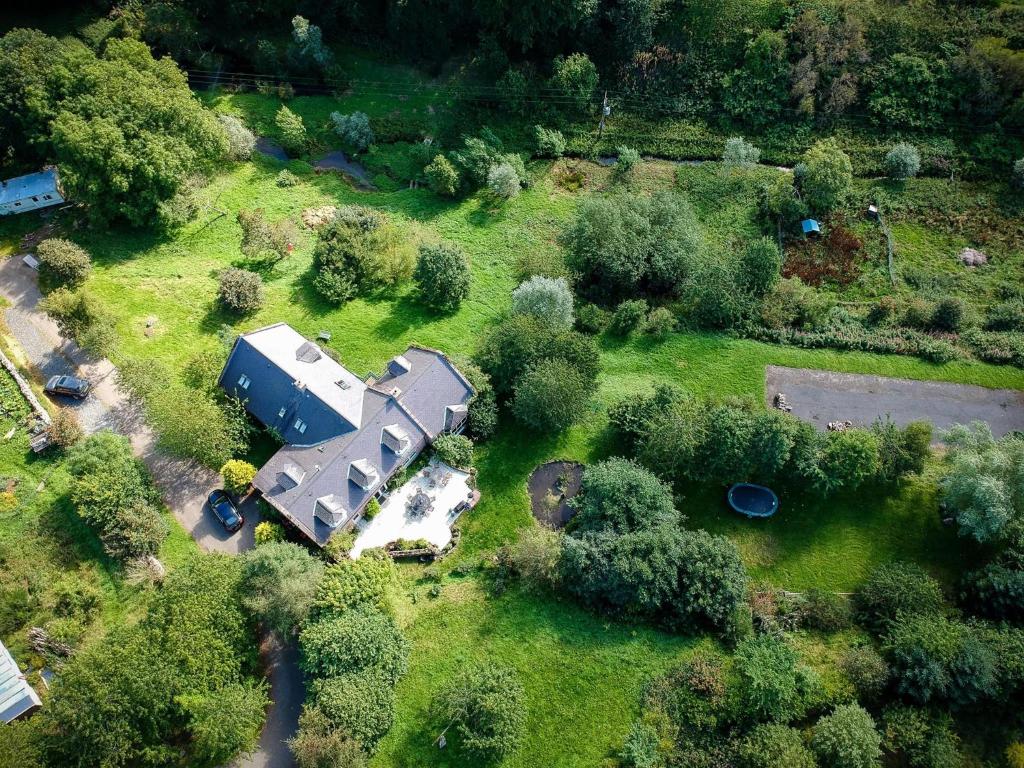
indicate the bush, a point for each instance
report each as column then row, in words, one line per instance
column 902, row 452
column 241, row 141
column 1007, row 316
column 621, row 496
column 740, row 153
column 291, row 131
column 771, row 746
column 551, row 396
column 627, row 317
column 268, row 532
column 533, row 557
column 826, row 611
column 828, row 175
column 280, row 580
column 847, row 460
column 628, row 160
column 590, row 318
column 354, row 130
column 769, row 687
column 354, row 584
column 486, row 705
column 352, row 642
column 455, row 450
column 66, row 430
column 550, row 142
column 361, row 704
column 503, row 181
column 760, row 267
column 372, row 509
column 922, row 649
column 895, row 590
column 442, row 276
column 442, row 177
column 867, row 672
column 547, row 299
column 1017, row 175
column 949, row 315
column 847, row 738
column 240, row 290
column 62, row 263
column 319, row 744
column 574, row 77
column 660, row 323
column 286, row 179
column 237, row 476
column 903, row 161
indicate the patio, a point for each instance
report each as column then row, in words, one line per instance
column 420, row 509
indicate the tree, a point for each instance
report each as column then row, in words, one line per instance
column 621, row 496
column 483, row 406
column 442, row 176
column 66, row 430
column 319, row 744
column 551, row 396
column 626, row 162
column 740, row 153
column 548, row 299
column 769, row 680
column 307, row 50
column 503, row 181
column 62, row 263
column 237, row 475
column 712, row 581
column 456, row 450
column 241, row 141
column 847, row 459
column 442, row 276
column 128, row 133
column 660, row 323
column 760, row 267
column 486, row 706
column 354, row 130
column 358, row 703
column 575, row 78
column 903, row 161
column 240, row 290
column 847, row 738
column 291, row 130
column 921, row 649
column 280, row 581
column 362, row 639
column 533, row 557
column 354, row 584
column 867, row 672
column 1017, row 174
column 770, row 745
column 263, row 240
column 225, row 722
column 756, row 93
column 550, row 142
column 828, row 176
column 895, row 590
column 906, row 93
column 902, row 452
column 627, row 317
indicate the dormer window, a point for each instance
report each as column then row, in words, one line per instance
column 363, row 473
column 395, row 438
column 244, row 381
column 399, row 364
column 280, row 414
column 300, row 425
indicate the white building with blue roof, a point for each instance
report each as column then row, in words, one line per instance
column 17, row 697
column 31, row 192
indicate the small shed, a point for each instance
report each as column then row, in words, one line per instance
column 810, row 227
column 873, row 212
column 28, row 193
column 17, row 697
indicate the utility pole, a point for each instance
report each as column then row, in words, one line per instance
column 606, row 110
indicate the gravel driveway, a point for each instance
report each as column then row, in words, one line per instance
column 184, row 484
column 823, row 396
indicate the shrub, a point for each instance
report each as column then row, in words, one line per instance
column 291, row 131
column 352, row 642
column 628, row 160
column 455, row 450
column 867, row 672
column 712, row 581
column 590, row 318
column 533, row 557
column 996, row 591
column 894, row 590
column 760, row 267
column 361, row 704
column 902, row 452
column 62, row 263
column 949, row 315
column 1017, row 175
column 66, row 430
column 354, row 584
column 769, row 687
column 548, row 299
column 319, row 744
column 921, row 650
column 263, row 240
column 442, row 276
column 354, row 130
column 627, row 317
column 772, row 745
column 620, row 495
column 280, row 580
column 237, row 475
column 550, row 142
column 486, row 705
column 442, row 176
column 826, row 611
column 286, row 179
column 241, row 141
column 1006, row 316
column 903, row 161
column 660, row 323
column 575, row 78
column 268, row 532
column 847, row 459
column 847, row 738
column 828, row 175
column 240, row 290
column 372, row 509
column 503, row 181
column 482, row 418
column 551, row 396
column 740, row 153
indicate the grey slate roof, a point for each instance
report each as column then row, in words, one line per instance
column 413, row 402
column 16, row 696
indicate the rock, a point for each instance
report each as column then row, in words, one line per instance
column 318, row 217
column 971, row 257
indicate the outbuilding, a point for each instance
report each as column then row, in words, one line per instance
column 31, row 192
column 17, row 697
column 810, row 227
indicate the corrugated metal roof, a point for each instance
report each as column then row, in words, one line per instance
column 34, row 184
column 16, row 696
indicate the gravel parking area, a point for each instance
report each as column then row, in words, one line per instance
column 823, row 396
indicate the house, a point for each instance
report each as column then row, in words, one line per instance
column 810, row 227
column 345, row 437
column 17, row 697
column 27, row 193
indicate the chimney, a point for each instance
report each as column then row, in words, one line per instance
column 399, row 365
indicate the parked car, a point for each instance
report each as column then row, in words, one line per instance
column 226, row 511
column 67, row 385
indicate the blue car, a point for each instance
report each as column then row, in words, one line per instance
column 226, row 511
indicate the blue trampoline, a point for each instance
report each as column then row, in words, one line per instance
column 753, row 500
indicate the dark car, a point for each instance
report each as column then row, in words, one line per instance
column 67, row 385
column 226, row 511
